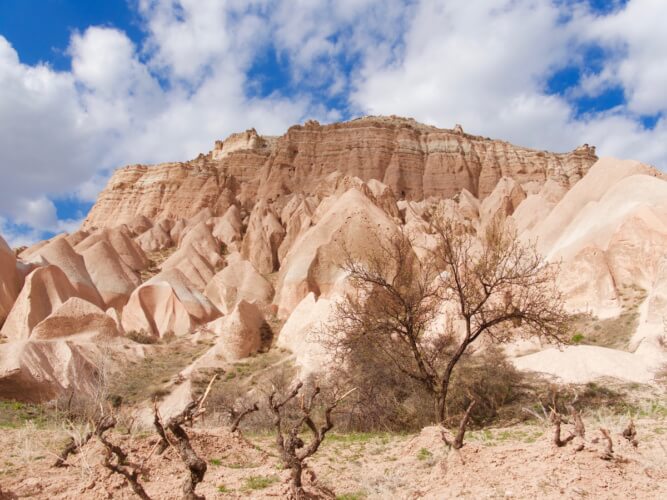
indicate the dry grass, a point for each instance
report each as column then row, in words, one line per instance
column 156, row 259
column 152, row 376
column 615, row 332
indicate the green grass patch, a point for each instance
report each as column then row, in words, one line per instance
column 357, row 495
column 424, row 454
column 360, row 437
column 615, row 332
column 14, row 414
column 259, row 482
column 144, row 379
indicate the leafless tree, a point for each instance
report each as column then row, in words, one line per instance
column 608, row 453
column 557, row 420
column 630, row 433
column 115, row 458
column 292, row 448
column 493, row 286
column 237, row 415
column 196, row 466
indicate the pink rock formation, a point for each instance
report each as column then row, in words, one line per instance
column 297, row 216
column 114, row 279
column 236, row 282
column 469, row 206
column 302, row 332
column 10, row 281
column 262, row 239
column 588, row 285
column 155, row 239
column 59, row 253
column 566, row 221
column 240, row 334
column 167, row 304
column 352, row 222
column 75, row 317
column 156, row 310
column 502, row 202
column 416, row 161
column 228, row 228
column 45, row 289
column 536, row 207
column 139, row 225
column 121, row 241
column 38, row 371
column 637, row 248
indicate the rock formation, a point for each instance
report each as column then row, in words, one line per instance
column 239, row 281
column 254, row 233
column 10, row 282
column 45, row 290
column 415, row 161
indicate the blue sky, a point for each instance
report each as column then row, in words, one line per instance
column 88, row 86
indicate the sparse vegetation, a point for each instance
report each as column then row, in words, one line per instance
column 357, row 495
column 147, row 378
column 259, row 482
column 142, row 337
column 424, row 454
column 614, row 332
column 155, row 261
column 499, row 289
column 293, row 450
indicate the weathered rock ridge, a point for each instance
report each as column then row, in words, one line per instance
column 416, row 161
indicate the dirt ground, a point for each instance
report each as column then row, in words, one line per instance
column 513, row 462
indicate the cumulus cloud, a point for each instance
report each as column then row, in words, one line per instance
column 486, row 64
column 195, row 76
column 636, row 39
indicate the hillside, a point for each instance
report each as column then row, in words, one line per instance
column 234, row 263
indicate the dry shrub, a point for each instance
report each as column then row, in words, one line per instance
column 386, row 400
column 661, row 376
column 238, row 390
column 490, row 379
column 142, row 337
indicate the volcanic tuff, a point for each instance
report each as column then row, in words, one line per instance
column 241, row 249
column 416, row 161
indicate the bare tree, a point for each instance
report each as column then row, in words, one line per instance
column 196, row 466
column 630, row 433
column 608, row 453
column 115, row 458
column 292, row 448
column 237, row 416
column 492, row 286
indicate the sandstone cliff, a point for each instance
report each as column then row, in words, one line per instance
column 416, row 161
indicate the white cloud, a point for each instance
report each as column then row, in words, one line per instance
column 61, row 132
column 45, row 144
column 637, row 41
column 483, row 64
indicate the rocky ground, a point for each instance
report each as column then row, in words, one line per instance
column 512, row 462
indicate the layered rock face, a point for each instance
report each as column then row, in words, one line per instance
column 414, row 160
column 242, row 248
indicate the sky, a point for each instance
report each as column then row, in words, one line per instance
column 89, row 86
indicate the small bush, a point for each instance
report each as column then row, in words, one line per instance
column 577, row 338
column 424, row 454
column 142, row 337
column 259, row 482
column 357, row 495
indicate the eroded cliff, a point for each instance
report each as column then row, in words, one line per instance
column 416, row 161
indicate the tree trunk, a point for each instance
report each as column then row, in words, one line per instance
column 297, row 486
column 439, row 408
